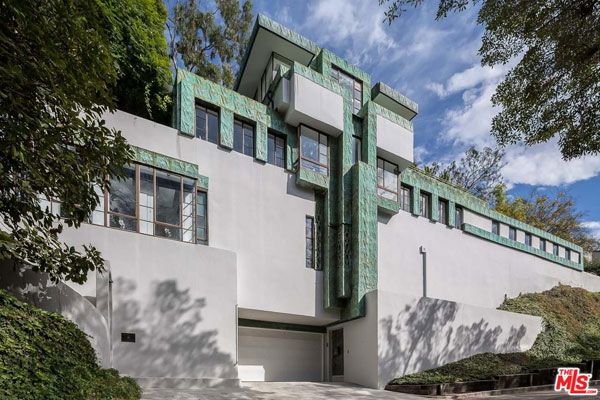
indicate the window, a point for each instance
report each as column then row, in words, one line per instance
column 512, row 233
column 351, row 83
column 387, row 179
column 275, row 61
column 555, row 249
column 405, row 198
column 496, row 227
column 567, row 254
column 424, row 205
column 314, row 150
column 542, row 245
column 276, row 150
column 356, row 149
column 528, row 239
column 458, row 213
column 243, row 138
column 152, row 202
column 207, row 124
column 310, row 242
column 201, row 218
column 443, row 211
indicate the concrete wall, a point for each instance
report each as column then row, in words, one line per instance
column 179, row 299
column 418, row 333
column 255, row 210
column 395, row 141
column 462, row 267
column 315, row 106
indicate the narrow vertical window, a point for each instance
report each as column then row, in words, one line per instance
column 122, row 201
column 243, row 138
column 424, row 205
column 387, row 179
column 356, row 149
column 353, row 84
column 568, row 254
column 443, row 211
column 555, row 249
column 458, row 217
column 146, row 201
column 542, row 244
column 528, row 238
column 496, row 227
column 310, row 242
column 405, row 198
column 168, row 205
column 187, row 221
column 314, row 150
column 276, row 150
column 97, row 217
column 512, row 233
column 201, row 218
column 207, row 124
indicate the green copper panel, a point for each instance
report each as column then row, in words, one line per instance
column 398, row 97
column 520, row 246
column 392, row 116
column 226, row 131
column 331, row 58
column 312, row 180
column 188, row 111
column 369, row 136
column 434, row 207
column 344, row 261
column 451, row 210
column 387, row 206
column 416, row 195
column 157, row 160
column 261, row 141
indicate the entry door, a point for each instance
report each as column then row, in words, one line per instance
column 337, row 352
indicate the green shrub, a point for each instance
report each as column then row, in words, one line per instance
column 593, row 267
column 571, row 333
column 45, row 356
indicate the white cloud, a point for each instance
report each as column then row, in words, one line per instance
column 469, row 78
column 593, row 227
column 419, row 154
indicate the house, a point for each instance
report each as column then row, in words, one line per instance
column 279, row 231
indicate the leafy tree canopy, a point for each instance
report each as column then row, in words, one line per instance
column 56, row 71
column 135, row 30
column 209, row 41
column 554, row 214
column 554, row 90
column 478, row 172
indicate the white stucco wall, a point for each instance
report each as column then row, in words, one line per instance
column 315, row 106
column 178, row 298
column 478, row 220
column 395, row 141
column 254, row 210
column 462, row 267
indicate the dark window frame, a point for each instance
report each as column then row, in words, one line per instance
column 496, row 227
column 458, row 217
column 528, row 239
column 244, row 125
column 427, row 213
column 396, row 173
column 302, row 158
column 542, row 244
column 207, row 110
column 312, row 260
column 275, row 137
column 335, row 75
column 406, row 206
column 443, row 205
column 567, row 254
column 512, row 233
column 201, row 241
column 555, row 249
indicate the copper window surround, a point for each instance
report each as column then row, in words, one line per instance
column 356, row 93
column 318, row 163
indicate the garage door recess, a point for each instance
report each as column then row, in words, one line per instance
column 279, row 356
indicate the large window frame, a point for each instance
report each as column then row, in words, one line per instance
column 207, row 111
column 337, row 74
column 382, row 183
column 269, row 73
column 322, row 140
column 406, row 198
column 443, row 211
column 240, row 141
column 424, row 205
column 310, row 236
column 154, row 222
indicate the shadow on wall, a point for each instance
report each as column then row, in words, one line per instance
column 431, row 333
column 38, row 290
column 171, row 341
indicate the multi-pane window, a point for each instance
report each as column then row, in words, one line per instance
column 495, row 227
column 269, row 74
column 424, row 205
column 356, row 149
column 243, row 138
column 528, row 239
column 567, row 254
column 512, row 233
column 207, row 124
column 351, row 83
column 201, row 218
column 314, row 150
column 443, row 211
column 458, row 217
column 310, row 242
column 149, row 201
column 555, row 249
column 405, row 198
column 387, row 179
column 542, row 245
column 276, row 150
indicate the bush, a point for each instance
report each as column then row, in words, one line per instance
column 593, row 267
column 45, row 356
column 571, row 333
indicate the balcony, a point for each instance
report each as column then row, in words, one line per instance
column 394, row 139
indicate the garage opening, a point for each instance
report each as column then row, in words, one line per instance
column 275, row 355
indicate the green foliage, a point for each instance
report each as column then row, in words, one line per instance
column 554, row 90
column 556, row 215
column 55, row 72
column 210, row 41
column 44, row 356
column 593, row 267
column 139, row 50
column 571, row 333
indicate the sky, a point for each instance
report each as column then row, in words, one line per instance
column 436, row 64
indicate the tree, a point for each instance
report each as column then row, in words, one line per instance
column 556, row 215
column 56, row 71
column 138, row 46
column 209, row 42
column 478, row 172
column 554, row 90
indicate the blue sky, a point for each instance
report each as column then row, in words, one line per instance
column 436, row 64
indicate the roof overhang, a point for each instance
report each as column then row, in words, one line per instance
column 394, row 101
column 267, row 37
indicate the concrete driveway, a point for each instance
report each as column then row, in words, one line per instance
column 278, row 390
